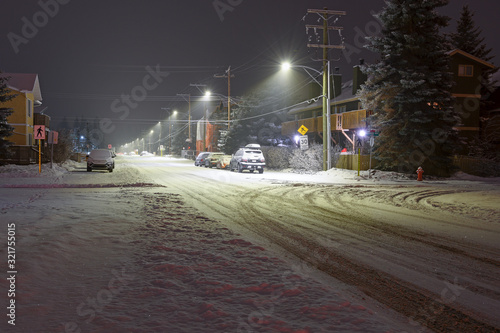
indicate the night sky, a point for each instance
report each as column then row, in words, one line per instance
column 88, row 53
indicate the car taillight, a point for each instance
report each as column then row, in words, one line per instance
column 262, row 160
column 244, row 159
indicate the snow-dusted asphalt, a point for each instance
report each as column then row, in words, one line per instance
column 162, row 246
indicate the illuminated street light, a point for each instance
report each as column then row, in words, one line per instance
column 362, row 133
column 285, row 66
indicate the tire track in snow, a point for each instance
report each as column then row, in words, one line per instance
column 383, row 287
column 233, row 199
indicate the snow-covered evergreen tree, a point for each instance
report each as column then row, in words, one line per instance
column 5, row 129
column 468, row 38
column 409, row 89
column 240, row 132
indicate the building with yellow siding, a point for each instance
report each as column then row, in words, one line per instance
column 27, row 89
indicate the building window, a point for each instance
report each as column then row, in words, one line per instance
column 29, row 106
column 343, row 108
column 465, row 70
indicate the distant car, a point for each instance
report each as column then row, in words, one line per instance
column 200, row 159
column 223, row 162
column 248, row 158
column 211, row 159
column 188, row 154
column 101, row 159
column 146, row 153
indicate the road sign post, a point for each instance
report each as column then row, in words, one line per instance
column 39, row 135
column 359, row 160
column 359, row 145
column 53, row 137
column 372, row 142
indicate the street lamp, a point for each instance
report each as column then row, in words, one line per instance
column 189, row 114
column 327, row 128
column 285, row 66
column 150, row 133
column 207, row 97
column 170, row 114
column 159, row 140
column 170, row 125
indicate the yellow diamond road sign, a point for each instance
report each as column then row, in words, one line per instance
column 303, row 130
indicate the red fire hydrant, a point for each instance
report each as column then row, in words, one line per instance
column 420, row 171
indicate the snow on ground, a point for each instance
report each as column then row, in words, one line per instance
column 112, row 252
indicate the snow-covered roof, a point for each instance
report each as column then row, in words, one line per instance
column 26, row 83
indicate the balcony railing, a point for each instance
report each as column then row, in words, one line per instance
column 347, row 120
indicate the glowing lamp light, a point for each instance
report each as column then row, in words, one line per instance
column 362, row 133
column 296, row 139
column 285, row 66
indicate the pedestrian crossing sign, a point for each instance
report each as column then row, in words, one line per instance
column 39, row 132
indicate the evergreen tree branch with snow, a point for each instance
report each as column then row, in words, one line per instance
column 408, row 90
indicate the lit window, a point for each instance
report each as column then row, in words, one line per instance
column 465, row 70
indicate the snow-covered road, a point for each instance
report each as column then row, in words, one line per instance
column 162, row 246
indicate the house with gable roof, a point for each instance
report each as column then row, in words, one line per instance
column 26, row 87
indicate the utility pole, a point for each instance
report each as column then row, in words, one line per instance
column 159, row 141
column 326, row 75
column 206, row 117
column 189, row 114
column 228, row 76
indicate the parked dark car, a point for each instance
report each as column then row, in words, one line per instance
column 248, row 158
column 200, row 159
